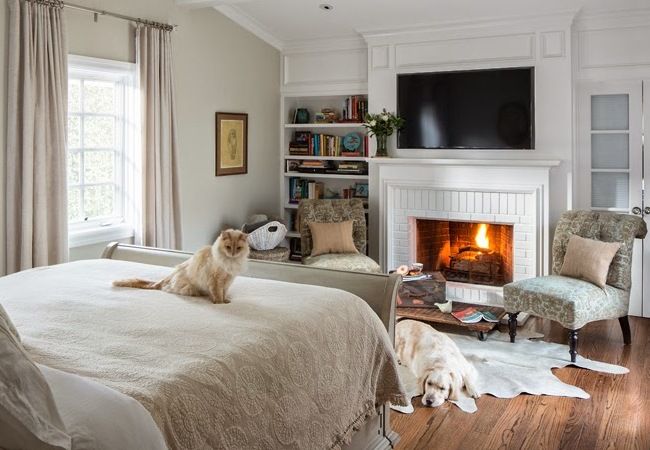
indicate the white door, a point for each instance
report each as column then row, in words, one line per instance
column 609, row 161
column 645, row 307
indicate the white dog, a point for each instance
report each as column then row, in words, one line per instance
column 435, row 360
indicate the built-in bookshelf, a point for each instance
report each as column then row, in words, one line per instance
column 321, row 159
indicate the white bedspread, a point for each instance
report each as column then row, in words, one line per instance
column 283, row 366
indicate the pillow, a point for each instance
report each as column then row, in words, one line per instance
column 333, row 237
column 5, row 322
column 29, row 418
column 99, row 418
column 588, row 259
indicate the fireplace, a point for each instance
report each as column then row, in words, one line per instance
column 466, row 252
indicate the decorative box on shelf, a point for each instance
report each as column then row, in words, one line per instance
column 423, row 293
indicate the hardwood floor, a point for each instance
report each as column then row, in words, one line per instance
column 616, row 417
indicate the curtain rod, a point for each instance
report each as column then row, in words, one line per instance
column 99, row 12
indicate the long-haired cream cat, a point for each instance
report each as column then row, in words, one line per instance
column 209, row 272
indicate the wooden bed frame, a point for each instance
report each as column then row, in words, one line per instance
column 378, row 290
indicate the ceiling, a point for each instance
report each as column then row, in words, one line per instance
column 283, row 22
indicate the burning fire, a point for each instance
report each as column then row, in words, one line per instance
column 481, row 238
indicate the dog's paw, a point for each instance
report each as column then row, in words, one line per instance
column 227, row 300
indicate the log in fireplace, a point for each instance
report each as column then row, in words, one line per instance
column 467, row 252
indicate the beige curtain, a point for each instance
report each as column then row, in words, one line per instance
column 36, row 202
column 161, row 223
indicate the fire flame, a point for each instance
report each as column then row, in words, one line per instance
column 481, row 238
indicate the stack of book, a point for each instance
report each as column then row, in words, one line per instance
column 351, row 168
column 313, row 166
column 356, row 108
column 300, row 189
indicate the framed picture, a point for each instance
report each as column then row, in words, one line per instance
column 361, row 190
column 232, row 144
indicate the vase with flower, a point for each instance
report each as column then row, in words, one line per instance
column 382, row 125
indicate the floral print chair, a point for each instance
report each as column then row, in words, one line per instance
column 571, row 302
column 336, row 211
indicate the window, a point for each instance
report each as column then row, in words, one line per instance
column 101, row 149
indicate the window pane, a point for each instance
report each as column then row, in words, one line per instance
column 609, row 190
column 74, row 132
column 610, row 151
column 99, row 97
column 74, row 204
column 609, row 112
column 99, row 132
column 74, row 168
column 74, row 95
column 99, row 167
column 98, row 201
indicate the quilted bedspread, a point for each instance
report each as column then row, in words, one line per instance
column 283, row 366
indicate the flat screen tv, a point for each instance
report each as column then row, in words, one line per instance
column 475, row 109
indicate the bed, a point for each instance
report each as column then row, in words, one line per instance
column 301, row 358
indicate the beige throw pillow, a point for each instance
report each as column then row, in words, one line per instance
column 29, row 417
column 332, row 238
column 588, row 259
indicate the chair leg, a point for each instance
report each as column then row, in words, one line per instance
column 512, row 325
column 625, row 327
column 573, row 344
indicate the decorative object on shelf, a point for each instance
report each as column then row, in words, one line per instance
column 319, row 117
column 329, row 115
column 231, row 143
column 352, row 142
column 361, row 190
column 381, row 126
column 301, row 115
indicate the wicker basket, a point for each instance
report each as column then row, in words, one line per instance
column 268, row 236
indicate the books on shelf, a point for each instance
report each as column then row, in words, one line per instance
column 355, row 109
column 301, row 188
column 306, row 143
column 473, row 315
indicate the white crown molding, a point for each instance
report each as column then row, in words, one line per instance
column 248, row 23
column 604, row 19
column 562, row 18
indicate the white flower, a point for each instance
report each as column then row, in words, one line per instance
column 385, row 117
column 373, row 123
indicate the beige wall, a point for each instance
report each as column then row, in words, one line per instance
column 218, row 67
column 3, row 125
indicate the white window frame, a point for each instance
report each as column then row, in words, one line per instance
column 127, row 160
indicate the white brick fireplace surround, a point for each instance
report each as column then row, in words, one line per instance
column 486, row 191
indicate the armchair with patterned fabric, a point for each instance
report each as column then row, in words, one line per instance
column 573, row 302
column 335, row 211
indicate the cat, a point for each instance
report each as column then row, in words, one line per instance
column 209, row 272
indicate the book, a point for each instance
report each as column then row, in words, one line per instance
column 473, row 315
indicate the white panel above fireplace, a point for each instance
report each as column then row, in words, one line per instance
column 509, row 192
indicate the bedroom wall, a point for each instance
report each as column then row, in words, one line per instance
column 219, row 66
column 3, row 125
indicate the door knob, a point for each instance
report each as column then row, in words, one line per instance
column 636, row 210
column 647, row 210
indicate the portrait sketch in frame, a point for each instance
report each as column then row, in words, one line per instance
column 232, row 143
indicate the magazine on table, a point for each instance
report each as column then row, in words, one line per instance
column 473, row 315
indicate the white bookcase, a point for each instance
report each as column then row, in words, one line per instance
column 332, row 181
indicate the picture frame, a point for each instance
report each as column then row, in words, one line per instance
column 231, row 155
column 361, row 190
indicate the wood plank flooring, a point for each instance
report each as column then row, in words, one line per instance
column 616, row 417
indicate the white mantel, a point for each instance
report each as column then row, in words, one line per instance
column 544, row 163
column 481, row 190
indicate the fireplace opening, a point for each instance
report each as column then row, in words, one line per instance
column 466, row 252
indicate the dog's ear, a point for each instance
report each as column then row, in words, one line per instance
column 455, row 385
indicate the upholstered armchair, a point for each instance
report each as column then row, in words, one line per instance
column 572, row 302
column 324, row 211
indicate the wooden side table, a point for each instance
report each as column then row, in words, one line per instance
column 434, row 315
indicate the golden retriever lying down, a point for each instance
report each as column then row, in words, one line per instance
column 435, row 361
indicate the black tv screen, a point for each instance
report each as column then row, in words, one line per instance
column 476, row 109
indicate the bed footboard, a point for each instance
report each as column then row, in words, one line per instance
column 378, row 290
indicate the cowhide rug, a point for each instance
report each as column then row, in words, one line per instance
column 506, row 370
